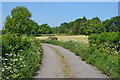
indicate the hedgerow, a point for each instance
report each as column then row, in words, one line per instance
column 107, row 44
column 107, row 40
column 21, row 56
column 99, row 56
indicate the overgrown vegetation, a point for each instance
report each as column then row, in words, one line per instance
column 21, row 55
column 107, row 44
column 108, row 41
column 103, row 57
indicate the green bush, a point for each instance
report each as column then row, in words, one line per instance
column 107, row 44
column 21, row 55
column 108, row 39
column 52, row 38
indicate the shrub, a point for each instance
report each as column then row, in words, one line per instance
column 21, row 55
column 52, row 38
column 107, row 42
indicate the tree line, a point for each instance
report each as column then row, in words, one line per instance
column 20, row 22
column 86, row 26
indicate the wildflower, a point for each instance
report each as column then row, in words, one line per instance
column 23, row 37
column 21, row 50
column 9, row 67
column 6, row 54
column 3, row 70
column 116, row 52
column 21, row 59
column 15, row 70
column 23, row 62
column 0, row 57
column 14, row 54
column 11, row 71
column 16, row 59
column 11, row 54
column 7, row 77
column 5, row 59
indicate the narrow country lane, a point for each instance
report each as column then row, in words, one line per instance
column 53, row 67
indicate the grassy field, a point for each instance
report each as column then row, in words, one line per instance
column 79, row 38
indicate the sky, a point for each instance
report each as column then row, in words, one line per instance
column 60, row 0
column 55, row 13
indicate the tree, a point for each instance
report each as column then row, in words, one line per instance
column 19, row 21
column 20, row 13
column 92, row 26
column 44, row 29
column 63, row 28
column 112, row 25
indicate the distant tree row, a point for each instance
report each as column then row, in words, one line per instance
column 87, row 27
column 20, row 22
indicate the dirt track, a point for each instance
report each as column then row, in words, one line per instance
column 53, row 67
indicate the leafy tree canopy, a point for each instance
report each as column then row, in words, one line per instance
column 20, row 22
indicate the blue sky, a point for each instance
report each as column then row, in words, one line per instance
column 55, row 13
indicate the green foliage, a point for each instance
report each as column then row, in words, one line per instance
column 20, row 22
column 21, row 56
column 112, row 25
column 88, row 27
column 44, row 29
column 106, row 40
column 97, row 57
column 107, row 44
column 20, row 13
column 63, row 28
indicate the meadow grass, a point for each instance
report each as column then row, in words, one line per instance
column 78, row 38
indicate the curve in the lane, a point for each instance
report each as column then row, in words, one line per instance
column 80, row 69
column 51, row 67
column 66, row 69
